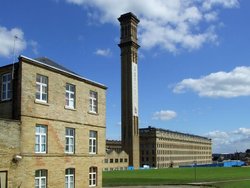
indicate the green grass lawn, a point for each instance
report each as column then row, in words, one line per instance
column 236, row 184
column 175, row 176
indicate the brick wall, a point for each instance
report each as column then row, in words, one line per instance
column 9, row 147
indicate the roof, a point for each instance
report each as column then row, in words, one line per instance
column 114, row 141
column 48, row 61
column 169, row 131
column 50, row 64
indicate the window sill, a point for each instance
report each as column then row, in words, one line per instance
column 93, row 113
column 40, row 153
column 41, row 102
column 69, row 108
column 5, row 100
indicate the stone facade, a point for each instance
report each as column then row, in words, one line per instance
column 55, row 116
column 115, row 160
column 9, row 148
column 162, row 148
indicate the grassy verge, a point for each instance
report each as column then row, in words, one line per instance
column 174, row 176
column 236, row 184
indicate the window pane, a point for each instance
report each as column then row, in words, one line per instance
column 43, row 173
column 37, row 95
column 44, row 89
column 71, row 103
column 67, row 95
column 37, row 139
column 44, row 97
column 43, row 148
column 43, row 129
column 43, row 182
column 9, row 95
column 67, row 141
column 71, row 149
column 43, row 141
column 44, row 80
column 37, row 149
column 71, row 141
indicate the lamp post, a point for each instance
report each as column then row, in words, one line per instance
column 195, row 162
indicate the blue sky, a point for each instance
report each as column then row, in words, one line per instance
column 194, row 60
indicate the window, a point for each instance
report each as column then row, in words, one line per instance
column 70, row 140
column 116, row 160
column 69, row 178
column 40, row 179
column 41, row 88
column 92, row 142
column 3, row 178
column 6, row 87
column 70, row 96
column 125, row 160
column 93, row 101
column 41, row 139
column 121, row 160
column 92, row 176
column 106, row 161
column 111, row 160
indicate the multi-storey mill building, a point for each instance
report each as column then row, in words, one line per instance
column 129, row 87
column 52, row 126
column 163, row 148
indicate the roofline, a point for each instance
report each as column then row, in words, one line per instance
column 9, row 65
column 75, row 75
column 167, row 130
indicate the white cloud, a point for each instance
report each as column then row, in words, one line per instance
column 242, row 131
column 209, row 4
column 170, row 24
column 220, row 84
column 103, row 52
column 229, row 142
column 164, row 115
column 7, row 41
column 211, row 16
column 34, row 46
